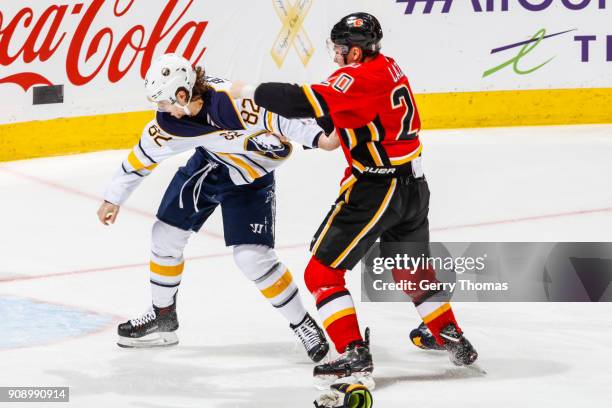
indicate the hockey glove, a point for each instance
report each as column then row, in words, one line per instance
column 345, row 396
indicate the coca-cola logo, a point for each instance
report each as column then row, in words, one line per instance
column 116, row 54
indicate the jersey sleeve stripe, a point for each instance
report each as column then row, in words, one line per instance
column 265, row 122
column 312, row 99
column 135, row 162
column 278, row 125
column 145, row 153
column 269, row 121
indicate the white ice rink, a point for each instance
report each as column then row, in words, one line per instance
column 66, row 281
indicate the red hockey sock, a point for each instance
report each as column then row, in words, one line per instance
column 437, row 315
column 334, row 302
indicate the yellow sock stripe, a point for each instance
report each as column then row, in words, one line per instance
column 437, row 313
column 338, row 315
column 329, row 222
column 314, row 102
column 397, row 162
column 163, row 270
column 369, row 226
column 242, row 164
column 375, row 154
column 279, row 286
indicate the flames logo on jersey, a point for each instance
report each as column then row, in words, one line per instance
column 269, row 146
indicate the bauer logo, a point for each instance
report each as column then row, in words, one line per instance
column 292, row 34
column 92, row 38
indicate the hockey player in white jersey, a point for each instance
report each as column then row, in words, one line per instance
column 236, row 153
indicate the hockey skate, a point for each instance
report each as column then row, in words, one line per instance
column 156, row 328
column 312, row 337
column 354, row 366
column 461, row 351
column 423, row 339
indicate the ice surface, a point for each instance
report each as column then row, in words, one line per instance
column 516, row 184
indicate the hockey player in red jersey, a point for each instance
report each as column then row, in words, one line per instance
column 383, row 194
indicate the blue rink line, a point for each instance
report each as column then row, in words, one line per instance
column 26, row 323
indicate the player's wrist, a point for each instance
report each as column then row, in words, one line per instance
column 241, row 90
column 248, row 91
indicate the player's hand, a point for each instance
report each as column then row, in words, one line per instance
column 282, row 138
column 330, row 142
column 107, row 213
column 241, row 90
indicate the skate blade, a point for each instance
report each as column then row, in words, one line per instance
column 324, row 382
column 460, row 363
column 475, row 367
column 160, row 339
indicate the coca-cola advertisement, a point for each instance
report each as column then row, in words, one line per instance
column 93, row 46
column 99, row 50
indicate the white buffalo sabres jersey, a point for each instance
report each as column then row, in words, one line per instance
column 236, row 133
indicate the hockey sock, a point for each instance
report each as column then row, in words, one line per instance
column 165, row 279
column 261, row 265
column 279, row 288
column 334, row 302
column 167, row 263
column 437, row 315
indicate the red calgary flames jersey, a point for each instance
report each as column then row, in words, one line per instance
column 373, row 109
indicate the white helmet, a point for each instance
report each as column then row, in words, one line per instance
column 167, row 74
